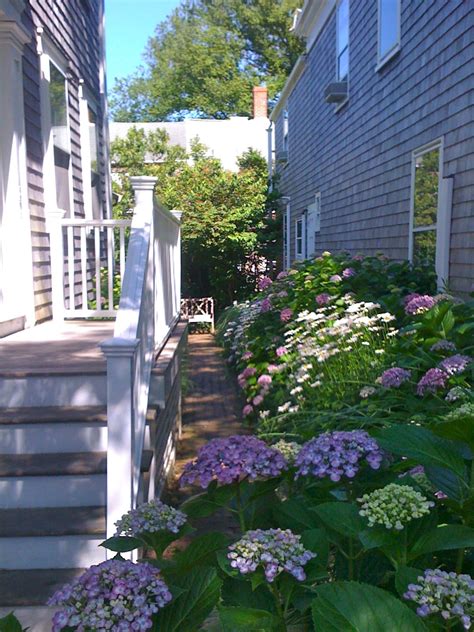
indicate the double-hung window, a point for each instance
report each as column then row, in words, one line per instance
column 388, row 29
column 90, row 156
column 300, row 238
column 342, row 38
column 285, row 130
column 430, row 219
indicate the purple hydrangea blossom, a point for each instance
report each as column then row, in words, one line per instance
column 282, row 275
column 231, row 460
column 115, row 595
column 149, row 518
column 247, row 410
column 286, row 314
column 323, row 299
column 335, row 278
column 265, row 305
column 419, row 304
column 348, row 272
column 282, row 294
column 395, row 377
column 432, row 380
column 447, row 594
column 455, row 364
column 443, row 345
column 274, row 550
column 264, row 282
column 249, row 371
column 247, row 355
column 337, row 454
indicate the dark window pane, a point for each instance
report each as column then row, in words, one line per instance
column 61, row 172
column 58, row 100
column 343, row 65
column 426, row 188
column 389, row 21
column 424, row 247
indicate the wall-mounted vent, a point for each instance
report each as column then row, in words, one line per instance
column 282, row 156
column 336, row 92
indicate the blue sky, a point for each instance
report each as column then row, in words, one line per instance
column 129, row 24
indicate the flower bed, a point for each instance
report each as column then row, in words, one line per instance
column 355, row 503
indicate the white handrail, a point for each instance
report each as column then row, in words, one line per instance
column 148, row 309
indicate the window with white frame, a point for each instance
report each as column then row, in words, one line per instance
column 342, row 40
column 388, row 29
column 285, row 130
column 300, row 245
column 57, row 174
column 90, row 156
column 313, row 224
column 430, row 218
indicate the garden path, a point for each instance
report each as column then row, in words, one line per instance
column 211, row 409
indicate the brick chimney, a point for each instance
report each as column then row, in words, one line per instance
column 260, row 102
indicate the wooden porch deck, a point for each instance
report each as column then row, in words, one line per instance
column 70, row 348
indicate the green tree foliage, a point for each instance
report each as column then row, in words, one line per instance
column 205, row 58
column 225, row 213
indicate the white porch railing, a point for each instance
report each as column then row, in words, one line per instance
column 88, row 258
column 148, row 310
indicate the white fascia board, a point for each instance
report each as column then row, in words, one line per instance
column 296, row 73
column 310, row 23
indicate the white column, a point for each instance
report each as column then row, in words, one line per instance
column 120, row 354
column 56, row 247
column 177, row 265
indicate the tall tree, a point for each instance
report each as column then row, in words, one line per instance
column 205, row 58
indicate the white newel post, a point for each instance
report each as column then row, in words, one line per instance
column 177, row 265
column 54, row 227
column 120, row 355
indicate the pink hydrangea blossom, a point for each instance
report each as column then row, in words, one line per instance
column 282, row 275
column 335, row 278
column 286, row 314
column 264, row 282
column 273, row 368
column 257, row 400
column 249, row 371
column 323, row 299
column 281, row 351
column 264, row 380
column 247, row 355
column 247, row 410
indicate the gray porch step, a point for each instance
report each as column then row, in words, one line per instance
column 33, row 587
column 59, row 464
column 52, row 521
column 53, row 415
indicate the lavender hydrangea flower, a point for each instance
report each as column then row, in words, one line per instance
column 448, row 594
column 264, row 282
column 323, row 299
column 337, row 454
column 443, row 345
column 264, row 380
column 274, row 550
column 265, row 305
column 394, row 506
column 149, row 518
column 395, row 377
column 233, row 459
column 432, row 380
column 335, row 278
column 455, row 364
column 348, row 272
column 114, row 595
column 282, row 275
column 419, row 304
column 247, row 410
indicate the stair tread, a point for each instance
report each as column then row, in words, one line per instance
column 59, row 464
column 33, row 587
column 58, row 414
column 52, row 521
column 52, row 414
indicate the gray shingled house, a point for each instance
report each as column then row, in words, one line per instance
column 374, row 133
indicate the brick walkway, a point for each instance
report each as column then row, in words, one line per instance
column 211, row 409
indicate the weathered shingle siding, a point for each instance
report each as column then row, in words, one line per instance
column 73, row 27
column 359, row 157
